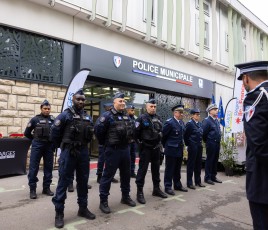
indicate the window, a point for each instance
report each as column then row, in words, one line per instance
column 205, row 5
column 261, row 44
column 206, row 33
column 153, row 11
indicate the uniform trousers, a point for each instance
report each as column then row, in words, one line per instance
column 212, row 151
column 194, row 163
column 259, row 214
column 67, row 164
column 148, row 155
column 173, row 172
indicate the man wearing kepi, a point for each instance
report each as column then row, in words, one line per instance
column 72, row 131
column 114, row 131
column 193, row 139
column 255, row 80
column 41, row 147
column 212, row 138
column 172, row 140
column 148, row 134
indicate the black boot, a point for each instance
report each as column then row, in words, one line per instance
column 140, row 196
column 99, row 178
column 33, row 194
column 84, row 212
column 128, row 201
column 47, row 191
column 104, row 207
column 59, row 222
column 158, row 192
column 71, row 187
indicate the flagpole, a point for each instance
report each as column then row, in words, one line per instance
column 226, row 109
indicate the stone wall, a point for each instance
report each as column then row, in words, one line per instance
column 20, row 101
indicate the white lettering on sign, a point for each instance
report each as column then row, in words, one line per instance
column 7, row 154
column 145, row 67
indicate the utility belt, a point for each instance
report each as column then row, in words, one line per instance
column 151, row 145
column 45, row 139
column 123, row 146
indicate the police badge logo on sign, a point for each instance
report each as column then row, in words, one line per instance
column 249, row 112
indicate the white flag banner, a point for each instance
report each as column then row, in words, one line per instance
column 239, row 94
column 77, row 83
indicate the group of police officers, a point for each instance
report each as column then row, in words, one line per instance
column 118, row 133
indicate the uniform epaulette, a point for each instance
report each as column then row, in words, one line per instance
column 169, row 119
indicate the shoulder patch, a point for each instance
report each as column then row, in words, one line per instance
column 29, row 125
column 102, row 119
column 249, row 112
column 52, row 118
column 137, row 124
column 57, row 122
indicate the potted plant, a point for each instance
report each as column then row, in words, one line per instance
column 228, row 155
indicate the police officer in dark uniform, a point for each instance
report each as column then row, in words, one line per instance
column 131, row 113
column 101, row 158
column 72, row 131
column 255, row 80
column 148, row 134
column 193, row 139
column 41, row 147
column 172, row 140
column 212, row 138
column 114, row 131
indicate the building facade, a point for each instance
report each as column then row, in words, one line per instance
column 175, row 51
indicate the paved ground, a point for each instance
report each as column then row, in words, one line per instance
column 222, row 206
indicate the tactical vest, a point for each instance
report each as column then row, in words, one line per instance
column 120, row 131
column 153, row 133
column 42, row 129
column 79, row 130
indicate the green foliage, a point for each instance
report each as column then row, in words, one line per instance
column 228, row 152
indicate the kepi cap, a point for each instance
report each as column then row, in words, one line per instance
column 251, row 67
column 193, row 111
column 211, row 106
column 151, row 101
column 119, row 95
column 130, row 107
column 79, row 92
column 178, row 107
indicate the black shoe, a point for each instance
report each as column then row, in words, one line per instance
column 89, row 186
column 170, row 192
column 158, row 192
column 33, row 194
column 99, row 178
column 217, row 180
column 140, row 196
column 182, row 189
column 59, row 222
column 209, row 182
column 84, row 212
column 48, row 192
column 70, row 187
column 128, row 201
column 114, row 180
column 200, row 185
column 191, row 186
column 133, row 175
column 104, row 207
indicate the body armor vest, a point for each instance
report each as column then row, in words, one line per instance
column 42, row 129
column 79, row 130
column 153, row 133
column 120, row 131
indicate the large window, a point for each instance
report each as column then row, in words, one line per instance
column 153, row 12
column 30, row 57
column 206, row 33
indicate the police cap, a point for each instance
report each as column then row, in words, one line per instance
column 119, row 95
column 193, row 111
column 79, row 92
column 151, row 101
column 178, row 107
column 45, row 103
column 251, row 67
column 130, row 107
column 212, row 106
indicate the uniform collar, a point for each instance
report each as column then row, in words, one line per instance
column 257, row 87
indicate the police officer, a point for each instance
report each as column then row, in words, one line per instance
column 255, row 80
column 72, row 131
column 41, row 147
column 101, row 158
column 131, row 113
column 212, row 138
column 113, row 130
column 193, row 139
column 172, row 140
column 148, row 134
